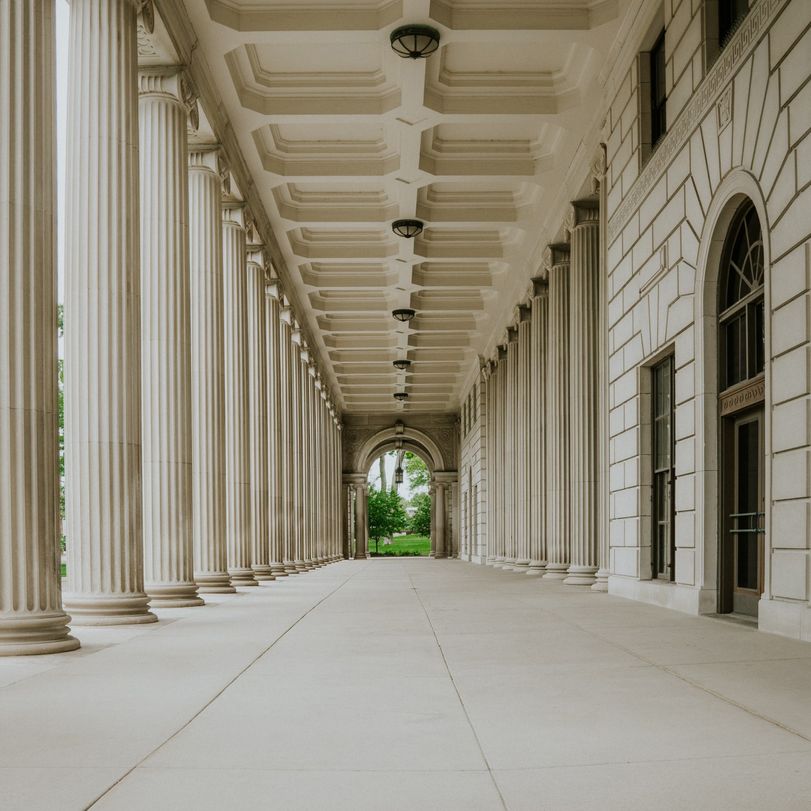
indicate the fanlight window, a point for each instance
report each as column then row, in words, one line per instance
column 741, row 300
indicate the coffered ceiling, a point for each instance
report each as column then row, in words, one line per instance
column 341, row 136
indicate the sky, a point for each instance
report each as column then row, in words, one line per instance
column 374, row 476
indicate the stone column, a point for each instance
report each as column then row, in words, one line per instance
column 273, row 336
column 348, row 497
column 510, row 448
column 432, row 494
column 361, row 528
column 165, row 341
column 258, row 411
column 557, row 411
column 237, row 459
column 439, row 519
column 296, row 448
column 491, row 483
column 523, row 439
column 286, row 400
column 538, row 423
column 207, row 369
column 31, row 615
column 102, row 319
column 585, row 434
column 305, row 460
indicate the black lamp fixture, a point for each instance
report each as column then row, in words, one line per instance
column 407, row 229
column 398, row 475
column 401, row 396
column 414, row 41
column 404, row 314
column 402, row 365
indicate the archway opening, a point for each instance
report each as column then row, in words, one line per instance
column 399, row 510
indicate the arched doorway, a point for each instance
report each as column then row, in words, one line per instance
column 742, row 389
column 442, row 488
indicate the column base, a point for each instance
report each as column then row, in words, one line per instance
column 521, row 566
column 262, row 572
column 213, row 583
column 508, row 563
column 290, row 568
column 580, row 576
column 108, row 609
column 278, row 570
column 300, row 567
column 242, row 577
column 536, row 568
column 172, row 595
column 601, row 581
column 36, row 634
column 359, row 557
column 556, row 571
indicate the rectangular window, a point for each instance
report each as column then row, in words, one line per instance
column 658, row 96
column 730, row 16
column 664, row 473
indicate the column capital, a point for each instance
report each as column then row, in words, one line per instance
column 582, row 212
column 233, row 214
column 286, row 313
column 540, row 287
column 555, row 255
column 512, row 334
column 524, row 313
column 206, row 158
column 295, row 335
column 273, row 289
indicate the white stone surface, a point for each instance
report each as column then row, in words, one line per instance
column 471, row 688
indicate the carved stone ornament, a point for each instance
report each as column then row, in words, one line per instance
column 189, row 98
column 598, row 169
column 146, row 10
column 555, row 255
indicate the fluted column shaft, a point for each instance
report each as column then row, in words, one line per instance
column 305, row 462
column 286, row 402
column 237, row 452
column 361, row 528
column 258, row 416
column 538, row 428
column 511, row 457
column 523, row 449
column 557, row 409
column 439, row 519
column 296, row 446
column 490, row 498
column 501, row 457
column 102, row 319
column 165, row 342
column 585, row 430
column 274, row 416
column 31, row 615
column 207, row 373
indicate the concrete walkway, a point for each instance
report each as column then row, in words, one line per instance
column 411, row 684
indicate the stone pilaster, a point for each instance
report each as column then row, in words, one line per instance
column 31, row 615
column 207, row 370
column 237, row 451
column 361, row 528
column 439, row 519
column 523, row 448
column 102, row 319
column 166, row 460
column 258, row 413
column 557, row 411
column 584, row 429
column 273, row 335
column 538, row 427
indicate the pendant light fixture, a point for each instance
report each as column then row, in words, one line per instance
column 402, row 365
column 401, row 396
column 407, row 229
column 414, row 41
column 404, row 314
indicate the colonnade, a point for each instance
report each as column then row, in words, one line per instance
column 202, row 449
column 546, row 418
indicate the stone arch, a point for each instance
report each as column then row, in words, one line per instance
column 738, row 186
column 387, row 439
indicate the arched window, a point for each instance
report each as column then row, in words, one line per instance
column 741, row 300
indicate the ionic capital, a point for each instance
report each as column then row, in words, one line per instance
column 233, row 214
column 205, row 158
column 555, row 255
column 540, row 287
column 582, row 212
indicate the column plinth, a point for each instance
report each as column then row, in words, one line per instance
column 103, row 486
column 557, row 405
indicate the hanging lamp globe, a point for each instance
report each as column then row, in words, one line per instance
column 404, row 314
column 402, row 365
column 398, row 475
column 414, row 41
column 400, row 396
column 407, row 229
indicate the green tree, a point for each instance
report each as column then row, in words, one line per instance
column 386, row 513
column 420, row 523
column 416, row 471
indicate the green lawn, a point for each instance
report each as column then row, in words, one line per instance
column 402, row 545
